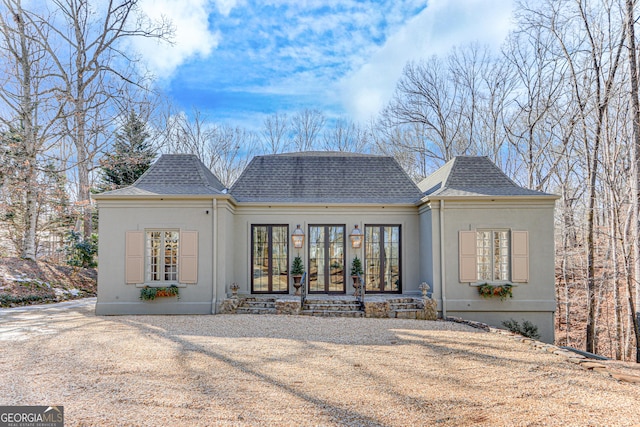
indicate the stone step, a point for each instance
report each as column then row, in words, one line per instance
column 403, row 306
column 332, row 307
column 259, row 304
column 330, row 301
column 259, row 299
column 257, row 310
column 331, row 313
column 404, row 314
column 401, row 301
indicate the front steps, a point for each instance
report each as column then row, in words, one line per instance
column 376, row 306
column 331, row 308
column 254, row 305
column 404, row 308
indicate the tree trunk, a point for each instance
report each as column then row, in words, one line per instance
column 29, row 139
column 617, row 309
column 591, row 248
column 635, row 163
column 31, row 216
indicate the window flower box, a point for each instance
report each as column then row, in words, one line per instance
column 502, row 291
column 149, row 294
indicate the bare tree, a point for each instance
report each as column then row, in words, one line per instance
column 635, row 164
column 274, row 133
column 230, row 151
column 424, row 96
column 345, row 135
column 26, row 92
column 87, row 49
column 175, row 132
column 224, row 150
column 543, row 114
column 590, row 42
column 306, row 126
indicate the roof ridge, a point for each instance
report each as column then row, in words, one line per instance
column 200, row 165
column 453, row 161
column 404, row 172
column 325, row 177
column 323, row 153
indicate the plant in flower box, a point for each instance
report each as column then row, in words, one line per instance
column 150, row 293
column 502, row 291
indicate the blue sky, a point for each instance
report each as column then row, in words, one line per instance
column 238, row 61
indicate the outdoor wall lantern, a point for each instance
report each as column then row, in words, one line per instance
column 356, row 237
column 297, row 237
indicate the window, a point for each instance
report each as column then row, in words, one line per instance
column 382, row 258
column 156, row 257
column 493, row 255
column 269, row 258
column 162, row 256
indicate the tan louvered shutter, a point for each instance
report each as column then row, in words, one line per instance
column 519, row 256
column 188, row 268
column 467, row 257
column 134, row 257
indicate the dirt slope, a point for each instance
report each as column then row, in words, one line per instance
column 24, row 282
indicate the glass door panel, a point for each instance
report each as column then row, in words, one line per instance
column 269, row 258
column 279, row 256
column 326, row 259
column 336, row 259
column 382, row 258
column 260, row 259
column 392, row 259
column 316, row 259
column 372, row 259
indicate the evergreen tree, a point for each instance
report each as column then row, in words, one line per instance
column 50, row 204
column 131, row 157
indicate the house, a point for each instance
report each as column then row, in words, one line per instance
column 465, row 225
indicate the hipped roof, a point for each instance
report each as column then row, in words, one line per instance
column 472, row 176
column 172, row 174
column 325, row 177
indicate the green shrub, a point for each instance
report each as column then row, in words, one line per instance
column 6, row 299
column 297, row 269
column 527, row 329
column 80, row 252
column 356, row 267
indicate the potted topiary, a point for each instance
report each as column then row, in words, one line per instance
column 356, row 272
column 297, row 270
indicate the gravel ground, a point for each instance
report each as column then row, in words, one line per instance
column 292, row 370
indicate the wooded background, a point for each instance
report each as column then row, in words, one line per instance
column 556, row 108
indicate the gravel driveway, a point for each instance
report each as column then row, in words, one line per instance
column 292, row 370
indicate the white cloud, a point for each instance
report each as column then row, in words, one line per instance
column 192, row 37
column 225, row 6
column 439, row 27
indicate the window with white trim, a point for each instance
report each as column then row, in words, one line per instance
column 492, row 251
column 162, row 255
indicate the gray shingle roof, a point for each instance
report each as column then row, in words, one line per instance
column 173, row 174
column 472, row 176
column 325, row 177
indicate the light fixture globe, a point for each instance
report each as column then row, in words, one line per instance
column 297, row 237
column 356, row 237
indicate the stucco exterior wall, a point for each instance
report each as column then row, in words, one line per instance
column 534, row 300
column 224, row 251
column 405, row 216
column 116, row 217
column 225, row 263
column 428, row 238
